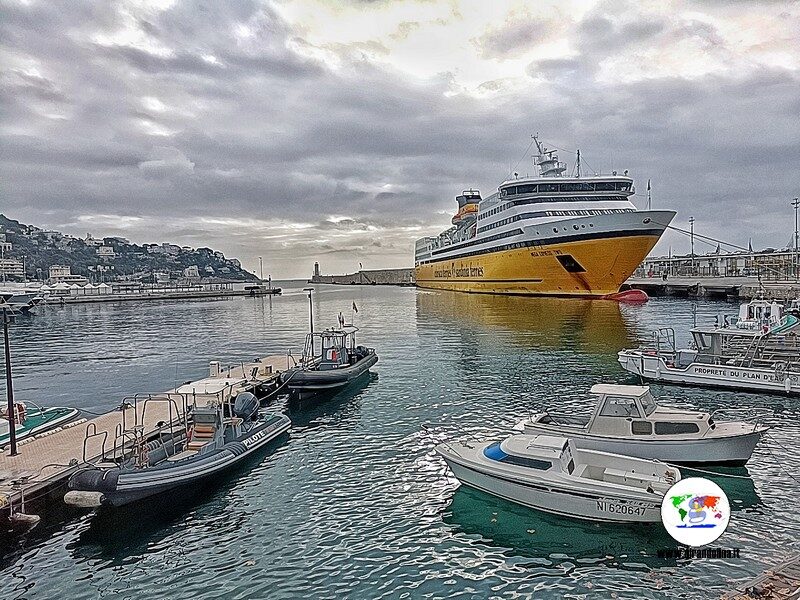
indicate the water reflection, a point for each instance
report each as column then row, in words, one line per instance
column 341, row 408
column 540, row 535
column 118, row 533
column 734, row 481
column 596, row 326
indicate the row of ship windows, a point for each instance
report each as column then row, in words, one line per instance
column 491, row 238
column 495, row 210
column 583, row 186
column 552, row 213
column 522, row 201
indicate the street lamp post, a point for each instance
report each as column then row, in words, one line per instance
column 691, row 237
column 12, row 419
column 796, row 204
column 310, row 309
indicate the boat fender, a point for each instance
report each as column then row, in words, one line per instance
column 787, row 384
column 83, row 499
column 189, row 435
column 19, row 519
column 658, row 371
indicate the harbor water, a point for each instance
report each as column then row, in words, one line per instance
column 355, row 504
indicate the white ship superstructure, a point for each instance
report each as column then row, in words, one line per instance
column 547, row 234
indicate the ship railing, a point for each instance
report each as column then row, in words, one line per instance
column 662, row 341
column 754, row 416
column 92, row 433
column 291, row 361
column 127, row 441
column 132, row 437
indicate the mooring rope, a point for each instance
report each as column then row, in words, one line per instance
column 715, row 473
column 780, row 466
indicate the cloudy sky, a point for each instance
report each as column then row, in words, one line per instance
column 341, row 131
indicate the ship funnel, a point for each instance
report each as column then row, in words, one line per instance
column 467, row 206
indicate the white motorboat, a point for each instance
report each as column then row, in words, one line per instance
column 548, row 473
column 628, row 420
column 745, row 356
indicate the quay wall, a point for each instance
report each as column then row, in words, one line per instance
column 403, row 277
column 688, row 287
column 144, row 296
column 734, row 288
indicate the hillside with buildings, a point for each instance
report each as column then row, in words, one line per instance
column 30, row 253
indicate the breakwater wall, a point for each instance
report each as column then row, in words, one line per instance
column 402, row 277
column 144, row 296
column 733, row 288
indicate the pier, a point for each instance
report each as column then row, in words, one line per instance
column 781, row 582
column 401, row 277
column 733, row 288
column 150, row 295
column 38, row 474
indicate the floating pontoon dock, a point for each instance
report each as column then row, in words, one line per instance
column 781, row 582
column 43, row 464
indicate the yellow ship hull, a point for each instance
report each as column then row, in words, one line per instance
column 603, row 265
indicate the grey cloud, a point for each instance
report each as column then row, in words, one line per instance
column 516, row 36
column 165, row 161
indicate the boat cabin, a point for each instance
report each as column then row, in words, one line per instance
column 759, row 314
column 540, row 452
column 332, row 348
column 631, row 410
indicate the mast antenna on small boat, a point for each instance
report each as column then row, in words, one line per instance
column 649, row 199
column 578, row 163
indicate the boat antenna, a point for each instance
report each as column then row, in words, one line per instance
column 578, row 163
column 649, row 199
column 535, row 137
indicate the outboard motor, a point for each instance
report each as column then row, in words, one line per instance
column 245, row 406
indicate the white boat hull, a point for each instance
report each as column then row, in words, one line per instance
column 656, row 368
column 568, row 503
column 732, row 451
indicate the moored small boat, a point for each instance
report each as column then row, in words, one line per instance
column 758, row 351
column 549, row 474
column 30, row 420
column 215, row 438
column 628, row 420
column 331, row 360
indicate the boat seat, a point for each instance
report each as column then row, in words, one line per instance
column 196, row 445
column 201, row 435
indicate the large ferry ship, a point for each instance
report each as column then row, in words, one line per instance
column 549, row 234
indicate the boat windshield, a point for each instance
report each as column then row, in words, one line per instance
column 648, row 404
column 619, row 406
